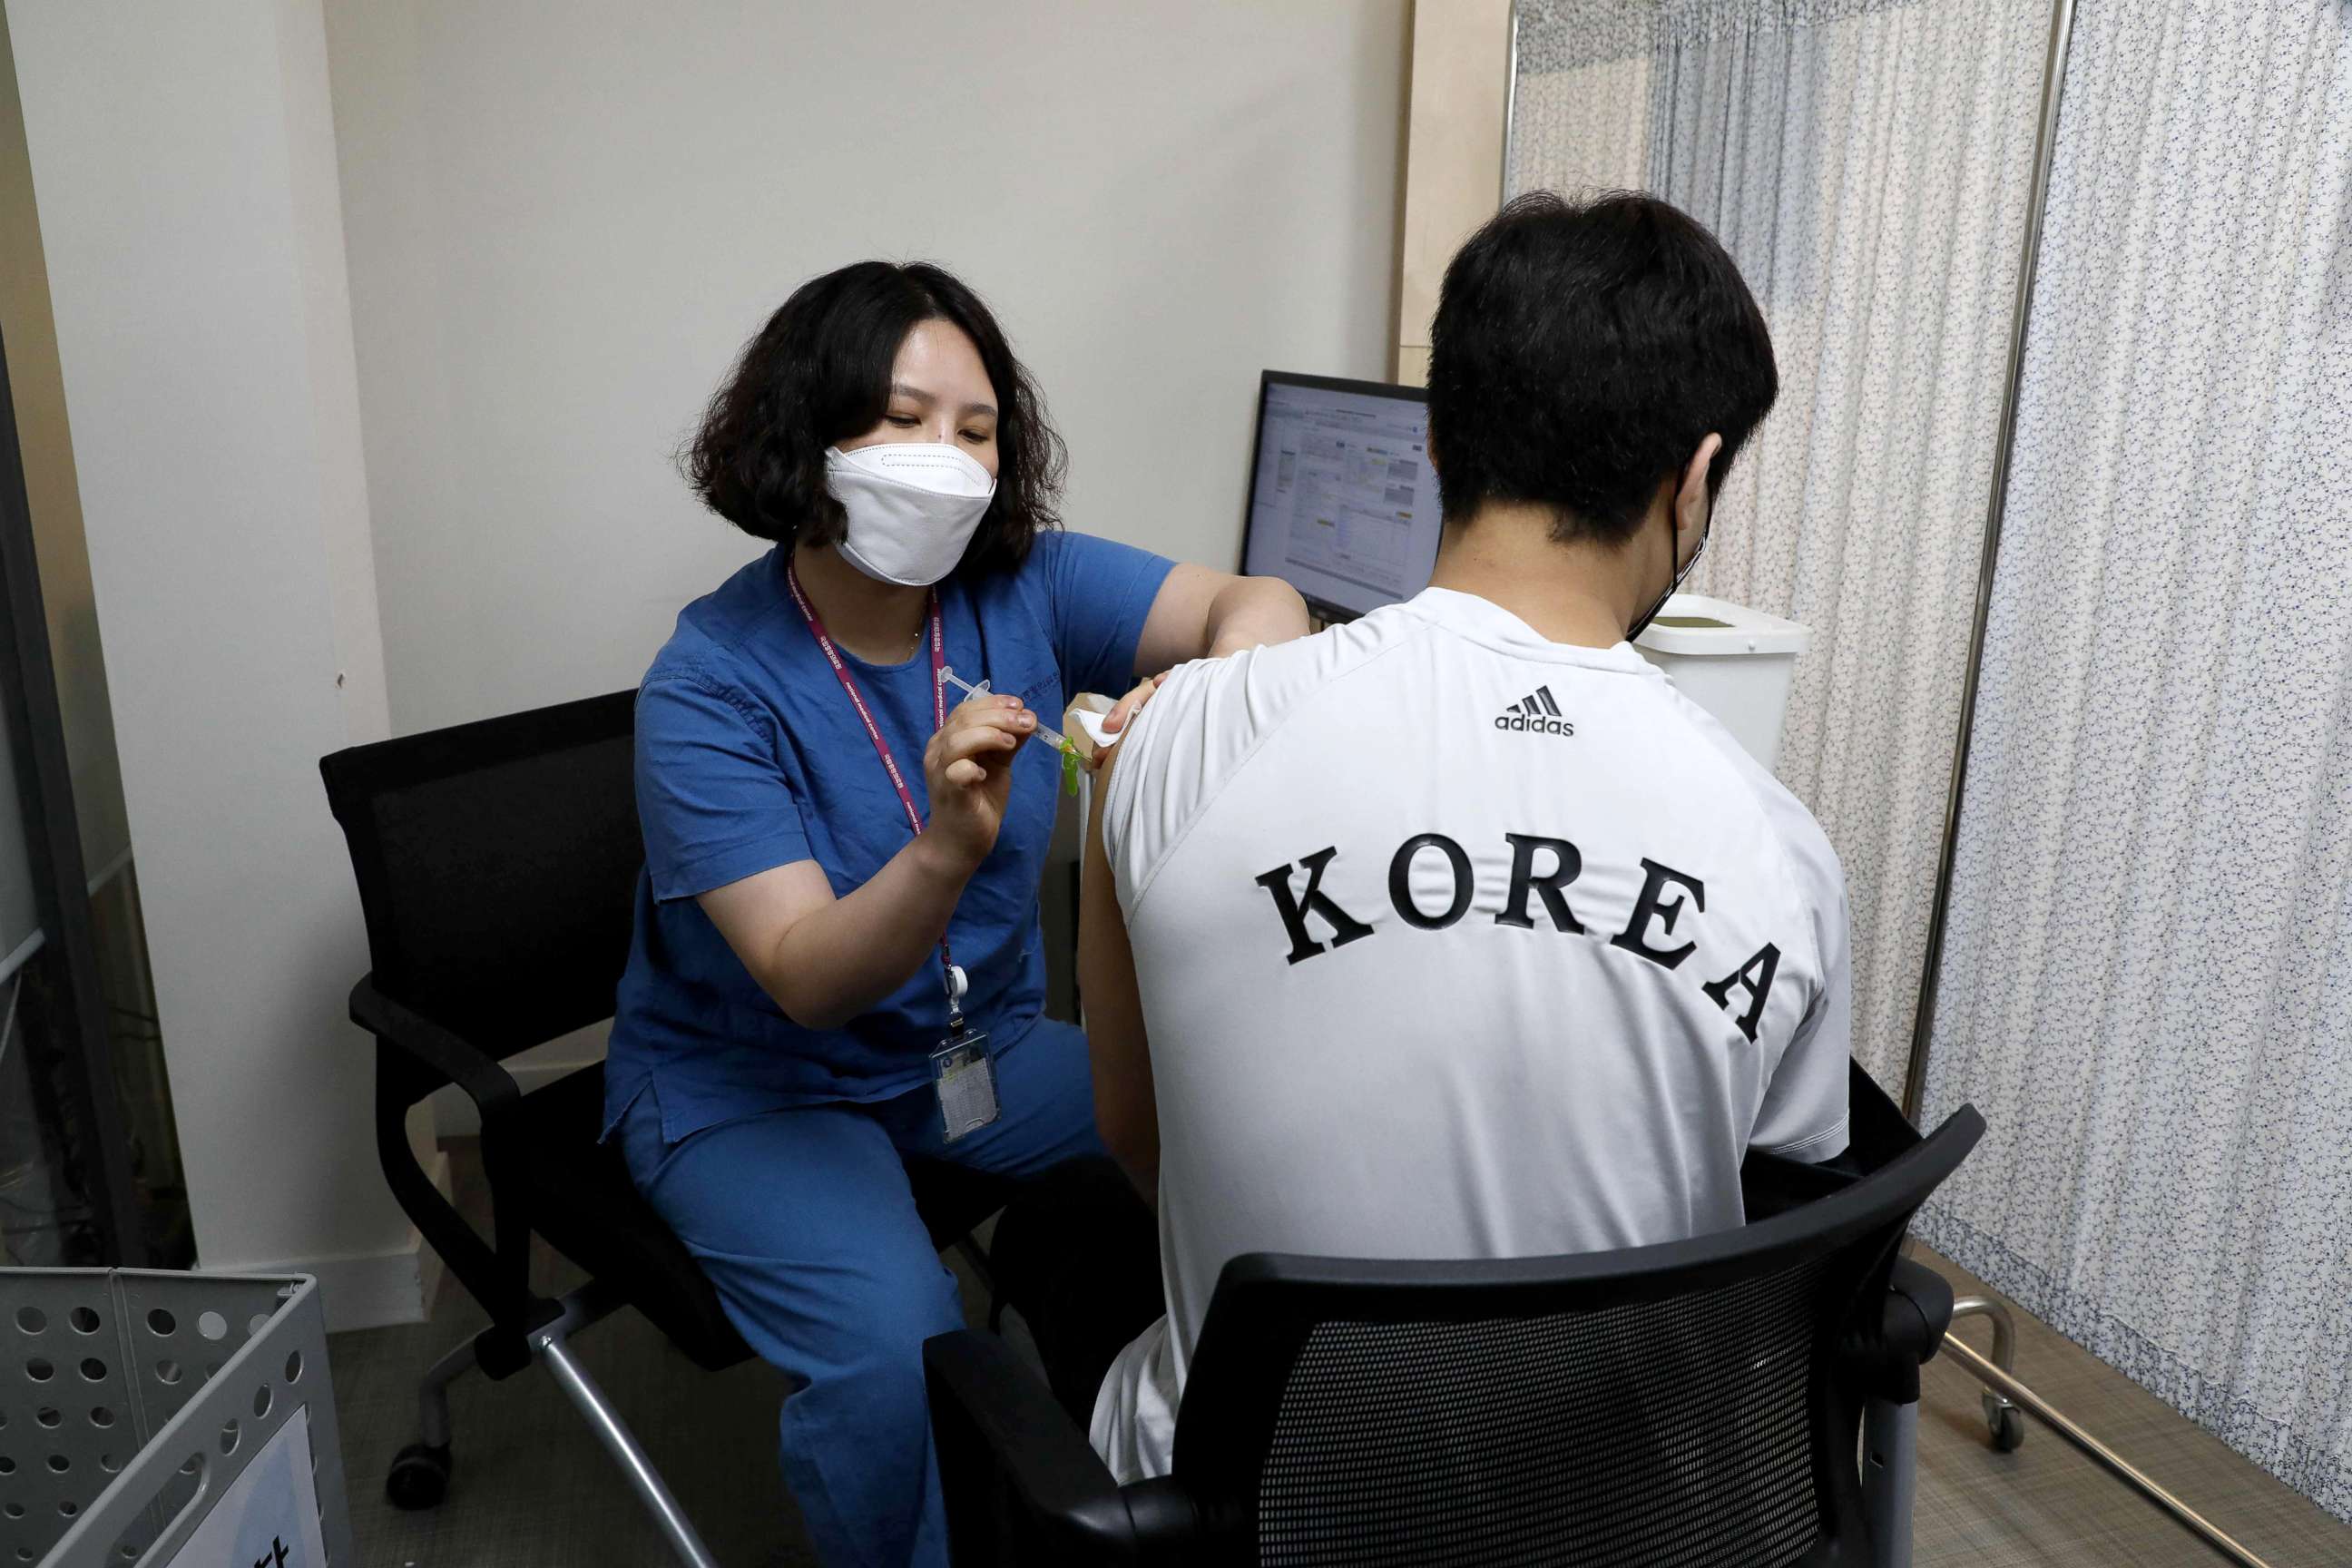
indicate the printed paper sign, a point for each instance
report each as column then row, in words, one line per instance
column 268, row 1518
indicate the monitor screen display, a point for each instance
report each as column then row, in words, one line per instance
column 1343, row 502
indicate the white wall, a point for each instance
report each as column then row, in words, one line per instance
column 547, row 229
column 182, row 163
column 563, row 220
column 38, row 392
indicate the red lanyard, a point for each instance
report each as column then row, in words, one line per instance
column 882, row 747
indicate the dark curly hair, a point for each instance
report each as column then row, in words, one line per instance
column 1581, row 351
column 819, row 371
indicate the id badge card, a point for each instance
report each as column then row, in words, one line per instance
column 967, row 1085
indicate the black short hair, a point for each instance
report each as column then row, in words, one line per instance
column 819, row 371
column 1581, row 351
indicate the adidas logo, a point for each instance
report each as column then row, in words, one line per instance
column 1535, row 714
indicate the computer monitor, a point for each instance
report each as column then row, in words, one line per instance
column 1342, row 500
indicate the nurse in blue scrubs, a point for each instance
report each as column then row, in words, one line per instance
column 838, row 962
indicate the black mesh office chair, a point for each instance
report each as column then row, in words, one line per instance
column 496, row 864
column 1694, row 1405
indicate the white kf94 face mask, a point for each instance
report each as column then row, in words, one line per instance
column 912, row 507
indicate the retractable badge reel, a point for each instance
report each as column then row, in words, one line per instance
column 960, row 1069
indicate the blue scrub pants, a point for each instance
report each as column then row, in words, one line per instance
column 805, row 1224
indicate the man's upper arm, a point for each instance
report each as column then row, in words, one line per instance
column 1126, row 1109
column 1804, row 1110
column 1173, row 758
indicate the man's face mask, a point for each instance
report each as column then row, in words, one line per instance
column 1642, row 621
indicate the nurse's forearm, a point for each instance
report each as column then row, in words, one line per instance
column 1249, row 612
column 837, row 962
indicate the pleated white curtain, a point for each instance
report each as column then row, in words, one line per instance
column 2146, row 985
column 1868, row 164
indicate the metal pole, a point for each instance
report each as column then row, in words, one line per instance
column 2001, row 1421
column 2006, row 1384
column 2046, row 149
column 28, row 707
column 2004, row 1330
column 1511, row 104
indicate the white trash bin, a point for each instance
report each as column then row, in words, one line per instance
column 1734, row 662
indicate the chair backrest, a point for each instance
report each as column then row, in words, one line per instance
column 1684, row 1404
column 496, row 864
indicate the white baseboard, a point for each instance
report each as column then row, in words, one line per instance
column 368, row 1290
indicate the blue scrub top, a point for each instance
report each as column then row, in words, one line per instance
column 749, row 756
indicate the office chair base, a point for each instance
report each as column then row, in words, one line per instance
column 419, row 1477
column 433, row 1396
column 548, row 1345
column 420, row 1472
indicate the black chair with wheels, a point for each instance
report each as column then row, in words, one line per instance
column 496, row 864
column 1697, row 1403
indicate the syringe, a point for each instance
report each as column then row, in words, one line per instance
column 1045, row 732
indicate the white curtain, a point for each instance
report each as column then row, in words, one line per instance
column 2146, row 985
column 1868, row 163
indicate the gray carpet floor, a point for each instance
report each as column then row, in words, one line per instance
column 533, row 1487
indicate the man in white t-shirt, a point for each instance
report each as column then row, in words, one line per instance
column 1456, row 932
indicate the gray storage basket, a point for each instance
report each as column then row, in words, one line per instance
column 130, row 1400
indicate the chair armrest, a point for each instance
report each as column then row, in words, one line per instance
column 484, row 1081
column 999, row 1429
column 497, row 1274
column 1890, row 1345
column 1918, row 1310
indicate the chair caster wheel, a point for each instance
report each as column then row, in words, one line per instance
column 419, row 1478
column 2006, row 1423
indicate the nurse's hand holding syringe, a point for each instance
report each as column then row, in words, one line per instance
column 948, row 677
column 967, row 770
column 1102, row 721
column 1073, row 759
